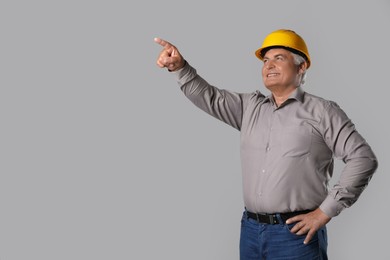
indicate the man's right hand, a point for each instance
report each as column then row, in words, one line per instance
column 170, row 56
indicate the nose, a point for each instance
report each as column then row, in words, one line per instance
column 269, row 64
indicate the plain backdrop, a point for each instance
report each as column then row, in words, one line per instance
column 102, row 156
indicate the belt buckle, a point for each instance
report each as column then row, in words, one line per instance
column 272, row 219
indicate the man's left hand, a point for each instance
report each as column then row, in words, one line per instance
column 308, row 223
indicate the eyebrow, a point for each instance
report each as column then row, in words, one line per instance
column 275, row 56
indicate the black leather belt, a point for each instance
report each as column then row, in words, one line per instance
column 273, row 218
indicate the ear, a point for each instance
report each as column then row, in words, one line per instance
column 302, row 67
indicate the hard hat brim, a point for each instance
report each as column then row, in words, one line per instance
column 262, row 51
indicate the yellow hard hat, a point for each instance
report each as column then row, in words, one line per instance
column 284, row 39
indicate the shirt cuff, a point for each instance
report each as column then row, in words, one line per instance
column 185, row 74
column 331, row 207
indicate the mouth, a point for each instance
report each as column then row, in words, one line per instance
column 270, row 75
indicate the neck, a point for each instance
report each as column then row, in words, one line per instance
column 281, row 96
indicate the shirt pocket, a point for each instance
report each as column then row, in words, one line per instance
column 296, row 141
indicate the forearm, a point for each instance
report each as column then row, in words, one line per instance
column 353, row 180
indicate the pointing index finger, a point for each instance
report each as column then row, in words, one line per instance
column 163, row 43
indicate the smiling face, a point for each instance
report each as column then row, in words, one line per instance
column 280, row 73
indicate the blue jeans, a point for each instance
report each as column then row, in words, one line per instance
column 275, row 242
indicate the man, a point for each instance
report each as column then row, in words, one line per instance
column 288, row 141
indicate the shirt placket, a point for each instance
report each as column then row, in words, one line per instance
column 265, row 168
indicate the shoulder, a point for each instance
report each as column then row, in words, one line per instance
column 257, row 95
column 252, row 97
column 319, row 102
column 326, row 109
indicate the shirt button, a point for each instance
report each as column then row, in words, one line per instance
column 268, row 148
column 263, row 171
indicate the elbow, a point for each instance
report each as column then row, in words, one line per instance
column 372, row 166
column 375, row 164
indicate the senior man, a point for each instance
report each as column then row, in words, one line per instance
column 289, row 140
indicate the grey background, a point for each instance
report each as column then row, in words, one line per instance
column 103, row 158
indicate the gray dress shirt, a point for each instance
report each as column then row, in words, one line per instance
column 287, row 151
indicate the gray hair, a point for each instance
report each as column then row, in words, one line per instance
column 298, row 60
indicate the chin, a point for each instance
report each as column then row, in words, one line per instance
column 269, row 86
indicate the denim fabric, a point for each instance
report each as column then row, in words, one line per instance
column 276, row 242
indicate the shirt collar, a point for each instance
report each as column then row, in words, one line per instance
column 297, row 94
